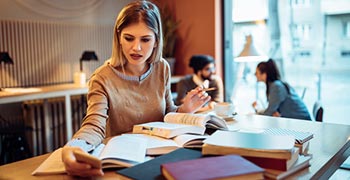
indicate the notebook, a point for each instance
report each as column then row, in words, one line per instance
column 300, row 136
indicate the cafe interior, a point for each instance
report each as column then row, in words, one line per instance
column 49, row 49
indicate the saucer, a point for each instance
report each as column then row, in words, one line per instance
column 232, row 115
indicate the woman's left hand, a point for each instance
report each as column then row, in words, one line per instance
column 276, row 114
column 194, row 100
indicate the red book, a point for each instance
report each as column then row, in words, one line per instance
column 302, row 163
column 218, row 167
column 273, row 163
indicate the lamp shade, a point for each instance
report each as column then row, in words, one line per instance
column 250, row 53
column 5, row 57
column 87, row 56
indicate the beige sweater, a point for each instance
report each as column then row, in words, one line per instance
column 116, row 102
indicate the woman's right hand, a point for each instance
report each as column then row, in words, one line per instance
column 254, row 104
column 75, row 168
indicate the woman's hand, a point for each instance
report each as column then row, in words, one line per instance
column 194, row 100
column 276, row 114
column 73, row 167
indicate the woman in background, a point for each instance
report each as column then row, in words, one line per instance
column 132, row 87
column 282, row 99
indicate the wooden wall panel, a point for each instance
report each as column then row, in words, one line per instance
column 47, row 53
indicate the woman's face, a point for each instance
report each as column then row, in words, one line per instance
column 137, row 42
column 260, row 77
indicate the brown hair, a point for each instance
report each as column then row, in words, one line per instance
column 272, row 73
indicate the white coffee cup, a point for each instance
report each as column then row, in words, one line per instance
column 224, row 109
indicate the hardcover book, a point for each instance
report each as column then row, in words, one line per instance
column 300, row 136
column 181, row 123
column 151, row 168
column 274, row 163
column 302, row 163
column 218, row 167
column 249, row 144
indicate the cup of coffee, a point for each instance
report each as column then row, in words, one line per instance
column 224, row 109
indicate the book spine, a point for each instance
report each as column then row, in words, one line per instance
column 153, row 131
column 269, row 163
column 208, row 149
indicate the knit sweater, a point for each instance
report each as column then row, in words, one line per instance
column 288, row 105
column 116, row 101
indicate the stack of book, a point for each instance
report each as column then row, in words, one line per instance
column 302, row 139
column 275, row 153
column 190, row 164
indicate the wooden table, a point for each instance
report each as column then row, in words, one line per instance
column 329, row 148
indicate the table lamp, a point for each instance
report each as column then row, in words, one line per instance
column 87, row 56
column 250, row 54
column 80, row 77
column 5, row 57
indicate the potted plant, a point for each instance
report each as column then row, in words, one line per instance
column 169, row 25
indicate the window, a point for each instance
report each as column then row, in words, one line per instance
column 302, row 31
column 314, row 55
column 300, row 3
column 347, row 29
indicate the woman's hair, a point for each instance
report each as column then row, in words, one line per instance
column 272, row 73
column 135, row 12
column 198, row 62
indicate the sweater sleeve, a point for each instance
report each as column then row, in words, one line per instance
column 94, row 123
column 276, row 96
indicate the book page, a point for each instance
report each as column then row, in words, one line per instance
column 125, row 148
column 52, row 165
column 300, row 136
column 189, row 140
column 217, row 122
column 187, row 118
column 157, row 145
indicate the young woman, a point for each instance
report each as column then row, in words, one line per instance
column 132, row 87
column 282, row 99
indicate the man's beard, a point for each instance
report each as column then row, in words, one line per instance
column 206, row 78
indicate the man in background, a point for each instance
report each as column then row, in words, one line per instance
column 204, row 74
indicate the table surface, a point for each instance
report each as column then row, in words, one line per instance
column 12, row 95
column 329, row 148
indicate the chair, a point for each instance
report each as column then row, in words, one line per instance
column 317, row 111
column 303, row 93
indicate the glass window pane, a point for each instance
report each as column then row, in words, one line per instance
column 313, row 54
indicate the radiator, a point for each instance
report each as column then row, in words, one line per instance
column 52, row 111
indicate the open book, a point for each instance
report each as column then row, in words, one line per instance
column 158, row 145
column 116, row 153
column 181, row 123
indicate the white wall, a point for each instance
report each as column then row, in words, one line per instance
column 77, row 11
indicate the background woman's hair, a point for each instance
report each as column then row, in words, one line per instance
column 135, row 12
column 272, row 73
column 198, row 62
